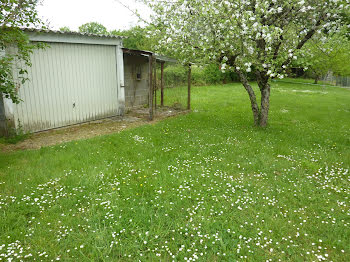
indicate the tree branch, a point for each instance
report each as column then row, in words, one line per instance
column 308, row 36
column 252, row 96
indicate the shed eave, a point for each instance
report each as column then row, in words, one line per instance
column 159, row 58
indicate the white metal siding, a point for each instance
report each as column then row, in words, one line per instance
column 69, row 84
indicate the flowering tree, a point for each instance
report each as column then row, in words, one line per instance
column 259, row 36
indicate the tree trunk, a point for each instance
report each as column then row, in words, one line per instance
column 316, row 79
column 252, row 97
column 263, row 83
column 265, row 105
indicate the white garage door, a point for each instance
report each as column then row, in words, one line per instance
column 69, row 84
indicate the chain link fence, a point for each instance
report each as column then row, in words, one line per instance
column 171, row 91
column 343, row 81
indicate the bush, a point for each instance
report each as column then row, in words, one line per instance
column 175, row 75
column 198, row 76
column 212, row 74
column 14, row 136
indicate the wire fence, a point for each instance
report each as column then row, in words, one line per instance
column 171, row 91
column 343, row 81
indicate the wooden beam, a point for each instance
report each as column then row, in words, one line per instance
column 136, row 52
column 189, row 87
column 150, row 84
column 155, row 84
column 162, row 84
column 3, row 120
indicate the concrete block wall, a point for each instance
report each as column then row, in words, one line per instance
column 136, row 90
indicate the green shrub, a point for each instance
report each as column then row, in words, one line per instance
column 198, row 76
column 213, row 74
column 175, row 75
column 14, row 136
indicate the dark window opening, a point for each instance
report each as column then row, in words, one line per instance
column 138, row 72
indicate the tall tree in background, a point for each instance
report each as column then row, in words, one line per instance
column 93, row 28
column 65, row 29
column 260, row 36
column 15, row 48
column 327, row 53
column 136, row 38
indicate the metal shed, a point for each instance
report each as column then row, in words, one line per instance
column 77, row 78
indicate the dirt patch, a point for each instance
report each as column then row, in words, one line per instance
column 135, row 117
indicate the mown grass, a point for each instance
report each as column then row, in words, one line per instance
column 203, row 186
column 306, row 81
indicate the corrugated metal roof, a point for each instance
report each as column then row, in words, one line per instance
column 49, row 31
column 126, row 50
column 165, row 58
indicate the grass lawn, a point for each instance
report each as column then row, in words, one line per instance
column 306, row 81
column 205, row 186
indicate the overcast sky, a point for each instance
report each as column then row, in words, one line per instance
column 73, row 13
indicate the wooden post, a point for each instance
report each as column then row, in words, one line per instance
column 162, row 84
column 189, row 87
column 150, row 95
column 155, row 84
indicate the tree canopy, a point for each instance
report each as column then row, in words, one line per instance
column 246, row 36
column 327, row 53
column 15, row 48
column 136, row 38
column 65, row 29
column 93, row 28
